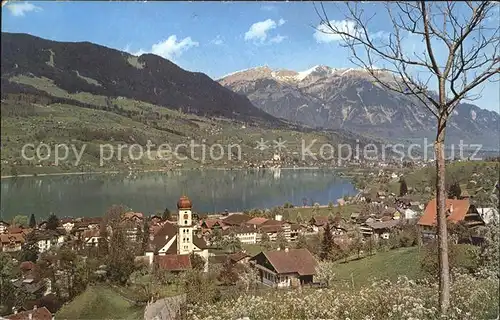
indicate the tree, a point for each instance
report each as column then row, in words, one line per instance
column 325, row 272
column 197, row 262
column 357, row 244
column 144, row 236
column 460, row 52
column 232, row 243
column 29, row 250
column 301, row 242
column 20, row 221
column 248, row 277
column 199, row 288
column 228, row 274
column 454, row 191
column 32, row 223
column 52, row 222
column 121, row 252
column 403, row 188
column 120, row 259
column 299, row 218
column 7, row 274
column 330, row 206
column 216, row 238
column 265, row 242
column 167, row 215
column 281, row 240
column 326, row 243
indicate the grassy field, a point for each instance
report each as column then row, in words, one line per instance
column 100, row 302
column 382, row 265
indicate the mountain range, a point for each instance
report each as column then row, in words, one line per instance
column 349, row 99
column 87, row 67
column 87, row 95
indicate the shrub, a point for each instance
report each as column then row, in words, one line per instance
column 471, row 299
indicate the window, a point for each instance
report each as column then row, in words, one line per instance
column 185, row 222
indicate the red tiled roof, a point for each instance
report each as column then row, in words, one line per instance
column 173, row 262
column 133, row 215
column 319, row 221
column 162, row 237
column 199, row 242
column 238, row 256
column 257, row 221
column 460, row 209
column 9, row 237
column 36, row 314
column 27, row 265
column 236, row 219
column 270, row 228
column 210, row 222
column 299, row 261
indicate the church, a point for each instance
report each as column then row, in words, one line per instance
column 170, row 245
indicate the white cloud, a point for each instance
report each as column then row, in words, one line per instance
column 19, row 9
column 279, row 38
column 170, row 48
column 218, row 40
column 267, row 8
column 324, row 35
column 258, row 31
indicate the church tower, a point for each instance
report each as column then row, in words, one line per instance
column 185, row 226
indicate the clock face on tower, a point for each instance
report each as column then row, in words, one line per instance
column 185, row 216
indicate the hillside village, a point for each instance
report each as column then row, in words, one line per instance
column 279, row 249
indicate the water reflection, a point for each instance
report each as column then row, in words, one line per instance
column 210, row 190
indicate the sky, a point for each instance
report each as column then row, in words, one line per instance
column 215, row 38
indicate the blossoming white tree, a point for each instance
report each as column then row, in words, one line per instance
column 459, row 50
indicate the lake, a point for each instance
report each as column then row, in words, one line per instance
column 152, row 192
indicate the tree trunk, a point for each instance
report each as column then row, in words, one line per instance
column 444, row 267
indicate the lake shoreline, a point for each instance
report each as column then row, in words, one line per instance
column 151, row 170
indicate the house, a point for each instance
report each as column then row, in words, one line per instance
column 381, row 195
column 285, row 268
column 379, row 229
column 456, row 211
column 67, row 224
column 208, row 225
column 133, row 223
column 236, row 219
column 91, row 237
column 295, row 230
column 46, row 239
column 318, row 223
column 272, row 228
column 35, row 314
column 256, row 222
column 245, row 233
column 407, row 213
column 177, row 239
column 3, row 226
column 11, row 242
column 489, row 215
column 155, row 219
column 354, row 217
column 173, row 262
column 82, row 224
column 464, row 194
column 239, row 257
